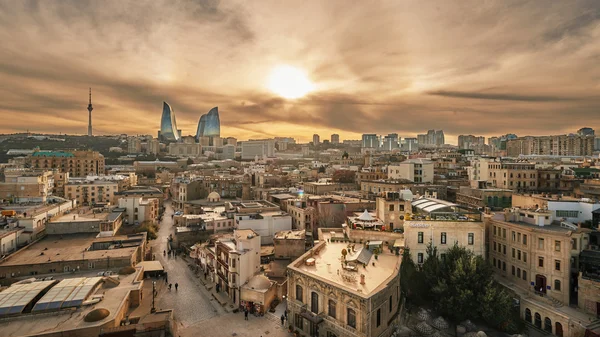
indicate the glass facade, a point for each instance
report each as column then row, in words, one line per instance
column 168, row 124
column 209, row 124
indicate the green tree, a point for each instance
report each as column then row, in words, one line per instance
column 460, row 285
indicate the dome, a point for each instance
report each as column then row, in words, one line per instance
column 214, row 197
column 259, row 282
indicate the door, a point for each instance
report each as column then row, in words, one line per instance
column 558, row 328
column 540, row 283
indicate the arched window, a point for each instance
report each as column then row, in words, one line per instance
column 331, row 308
column 538, row 321
column 528, row 315
column 548, row 324
column 314, row 302
column 557, row 285
column 299, row 293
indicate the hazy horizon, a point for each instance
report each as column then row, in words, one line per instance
column 467, row 67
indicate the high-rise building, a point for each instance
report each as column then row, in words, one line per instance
column 154, row 146
column 410, row 145
column 470, row 141
column 335, row 138
column 370, row 140
column 432, row 138
column 168, row 124
column 209, row 125
column 390, row 142
column 586, row 132
column 316, row 139
column 439, row 137
column 258, row 148
column 562, row 145
column 90, row 108
column 597, row 144
column 134, row 145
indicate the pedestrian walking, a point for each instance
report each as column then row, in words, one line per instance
column 285, row 313
column 282, row 319
column 246, row 314
column 176, row 286
column 170, row 286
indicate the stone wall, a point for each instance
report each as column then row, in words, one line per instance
column 589, row 295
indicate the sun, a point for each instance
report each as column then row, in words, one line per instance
column 289, row 82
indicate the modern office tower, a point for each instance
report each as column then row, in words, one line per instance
column 370, row 140
column 90, row 108
column 168, row 124
column 209, row 125
column 335, row 138
column 316, row 139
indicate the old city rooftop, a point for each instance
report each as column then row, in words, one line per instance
column 324, row 262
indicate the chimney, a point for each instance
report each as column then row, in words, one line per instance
column 362, row 279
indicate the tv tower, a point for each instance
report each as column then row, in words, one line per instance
column 90, row 108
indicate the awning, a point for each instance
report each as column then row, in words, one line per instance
column 150, row 266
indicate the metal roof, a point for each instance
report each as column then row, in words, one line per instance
column 14, row 299
column 430, row 204
column 67, row 293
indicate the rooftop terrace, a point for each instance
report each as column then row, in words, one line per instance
column 325, row 263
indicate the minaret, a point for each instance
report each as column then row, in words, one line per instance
column 90, row 108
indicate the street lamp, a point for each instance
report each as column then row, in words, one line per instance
column 153, row 310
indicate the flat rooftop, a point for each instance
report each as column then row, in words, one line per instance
column 72, row 319
column 66, row 248
column 290, row 235
column 74, row 217
column 328, row 267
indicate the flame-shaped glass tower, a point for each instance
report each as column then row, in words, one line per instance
column 168, row 124
column 209, row 125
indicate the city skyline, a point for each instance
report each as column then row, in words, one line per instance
column 462, row 67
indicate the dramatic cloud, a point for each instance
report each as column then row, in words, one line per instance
column 473, row 66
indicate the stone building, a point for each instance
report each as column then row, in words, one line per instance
column 537, row 258
column 76, row 163
column 357, row 297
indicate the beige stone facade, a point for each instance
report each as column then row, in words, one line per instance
column 535, row 257
column 336, row 302
column 443, row 234
column 23, row 185
column 391, row 209
column 513, row 176
column 76, row 163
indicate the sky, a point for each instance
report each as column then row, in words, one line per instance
column 467, row 67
